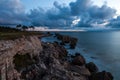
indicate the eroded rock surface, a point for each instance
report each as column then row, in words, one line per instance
column 53, row 65
column 28, row 58
column 9, row 48
column 67, row 39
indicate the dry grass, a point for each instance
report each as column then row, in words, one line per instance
column 15, row 35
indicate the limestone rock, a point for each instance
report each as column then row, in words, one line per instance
column 9, row 48
column 44, row 61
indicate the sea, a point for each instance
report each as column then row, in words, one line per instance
column 100, row 47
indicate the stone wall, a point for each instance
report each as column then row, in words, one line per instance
column 9, row 48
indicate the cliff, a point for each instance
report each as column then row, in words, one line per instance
column 9, row 48
column 28, row 58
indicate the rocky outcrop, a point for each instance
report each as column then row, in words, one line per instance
column 53, row 65
column 92, row 67
column 9, row 48
column 67, row 39
column 79, row 60
column 101, row 76
column 28, row 58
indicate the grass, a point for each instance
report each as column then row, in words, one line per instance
column 8, row 33
column 15, row 35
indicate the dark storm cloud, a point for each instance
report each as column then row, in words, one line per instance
column 12, row 12
column 103, row 12
column 90, row 14
column 58, row 16
column 80, row 6
column 61, row 15
column 115, row 23
column 50, row 18
column 37, row 16
column 60, row 12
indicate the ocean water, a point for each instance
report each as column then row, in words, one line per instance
column 102, row 48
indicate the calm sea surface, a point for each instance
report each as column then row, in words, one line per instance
column 102, row 48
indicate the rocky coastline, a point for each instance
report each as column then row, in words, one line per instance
column 28, row 58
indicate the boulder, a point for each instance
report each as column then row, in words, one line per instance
column 92, row 67
column 101, row 76
column 77, row 54
column 55, row 42
column 62, row 52
column 79, row 60
column 73, row 43
column 67, row 39
column 79, row 69
column 58, row 36
column 62, row 43
column 72, row 56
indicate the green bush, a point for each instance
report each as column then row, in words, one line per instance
column 22, row 61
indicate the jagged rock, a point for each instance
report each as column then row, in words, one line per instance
column 62, row 43
column 55, row 42
column 77, row 54
column 67, row 39
column 58, row 36
column 73, row 43
column 101, row 76
column 80, row 69
column 58, row 68
column 92, row 67
column 61, row 50
column 9, row 48
column 49, row 61
column 79, row 60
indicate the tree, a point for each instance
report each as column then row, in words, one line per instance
column 32, row 27
column 19, row 26
column 24, row 27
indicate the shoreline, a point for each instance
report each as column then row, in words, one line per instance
column 87, row 56
column 29, row 58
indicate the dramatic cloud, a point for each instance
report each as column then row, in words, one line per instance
column 115, row 23
column 11, row 12
column 90, row 14
column 58, row 16
column 80, row 6
column 62, row 15
column 81, row 13
column 103, row 12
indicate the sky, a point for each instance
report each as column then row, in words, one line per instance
column 49, row 3
column 42, row 3
column 61, row 13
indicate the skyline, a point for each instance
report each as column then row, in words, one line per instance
column 60, row 14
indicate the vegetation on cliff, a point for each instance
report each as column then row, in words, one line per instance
column 7, row 33
column 22, row 61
